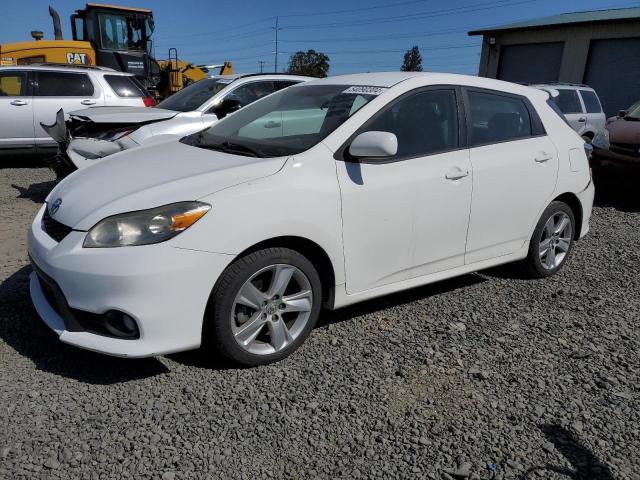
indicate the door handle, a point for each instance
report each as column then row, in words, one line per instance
column 19, row 103
column 582, row 119
column 456, row 174
column 272, row 124
column 542, row 157
column 88, row 102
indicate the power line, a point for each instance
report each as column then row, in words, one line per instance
column 239, row 27
column 224, row 39
column 414, row 16
column 398, row 50
column 351, row 10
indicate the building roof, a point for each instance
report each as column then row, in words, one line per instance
column 575, row 18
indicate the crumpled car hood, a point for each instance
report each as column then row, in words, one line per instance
column 152, row 176
column 126, row 115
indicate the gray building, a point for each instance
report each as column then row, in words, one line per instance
column 599, row 48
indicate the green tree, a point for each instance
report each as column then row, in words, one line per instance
column 412, row 61
column 312, row 63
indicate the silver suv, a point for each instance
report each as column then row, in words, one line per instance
column 30, row 95
column 582, row 109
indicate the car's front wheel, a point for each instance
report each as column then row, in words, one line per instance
column 552, row 241
column 263, row 307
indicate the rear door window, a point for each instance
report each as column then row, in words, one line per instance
column 497, row 118
column 126, row 86
column 62, row 84
column 250, row 92
column 591, row 102
column 280, row 84
column 13, row 84
column 568, row 101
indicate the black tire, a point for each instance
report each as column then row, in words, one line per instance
column 217, row 329
column 532, row 265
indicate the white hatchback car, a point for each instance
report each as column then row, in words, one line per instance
column 32, row 94
column 95, row 133
column 321, row 195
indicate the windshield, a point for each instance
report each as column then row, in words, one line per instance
column 634, row 112
column 193, row 96
column 287, row 122
column 119, row 32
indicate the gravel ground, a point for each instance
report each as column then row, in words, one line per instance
column 485, row 376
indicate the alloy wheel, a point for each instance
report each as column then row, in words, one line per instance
column 555, row 240
column 271, row 309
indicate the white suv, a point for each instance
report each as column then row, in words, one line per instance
column 31, row 95
column 581, row 107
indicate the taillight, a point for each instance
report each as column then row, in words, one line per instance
column 149, row 101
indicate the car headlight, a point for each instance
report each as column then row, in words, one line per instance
column 145, row 227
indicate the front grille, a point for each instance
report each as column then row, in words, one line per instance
column 53, row 228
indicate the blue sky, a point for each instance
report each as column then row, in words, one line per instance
column 358, row 36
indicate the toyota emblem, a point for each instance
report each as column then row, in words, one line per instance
column 55, row 206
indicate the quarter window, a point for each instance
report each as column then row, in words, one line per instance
column 63, row 84
column 126, row 86
column 13, row 84
column 424, row 123
column 497, row 118
column 591, row 102
column 568, row 101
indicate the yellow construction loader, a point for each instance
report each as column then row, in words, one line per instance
column 109, row 36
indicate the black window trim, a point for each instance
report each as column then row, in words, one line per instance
column 342, row 153
column 26, row 74
column 537, row 127
column 35, row 79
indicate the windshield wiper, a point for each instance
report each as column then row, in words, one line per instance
column 237, row 148
column 228, row 147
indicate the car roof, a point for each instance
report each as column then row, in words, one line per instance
column 265, row 76
column 561, row 85
column 390, row 79
column 66, row 68
column 380, row 79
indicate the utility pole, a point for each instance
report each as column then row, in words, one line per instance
column 261, row 62
column 277, row 29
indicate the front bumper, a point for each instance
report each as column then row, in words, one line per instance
column 165, row 289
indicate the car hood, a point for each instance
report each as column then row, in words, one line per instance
column 128, row 115
column 152, row 176
column 624, row 131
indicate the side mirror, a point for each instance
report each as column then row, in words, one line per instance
column 622, row 113
column 374, row 144
column 225, row 107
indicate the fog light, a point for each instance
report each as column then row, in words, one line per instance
column 121, row 325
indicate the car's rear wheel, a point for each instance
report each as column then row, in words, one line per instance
column 552, row 241
column 264, row 306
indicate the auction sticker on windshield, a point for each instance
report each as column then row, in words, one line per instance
column 360, row 90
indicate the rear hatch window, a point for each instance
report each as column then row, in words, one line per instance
column 126, row 86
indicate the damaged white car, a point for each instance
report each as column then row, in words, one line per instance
column 90, row 135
